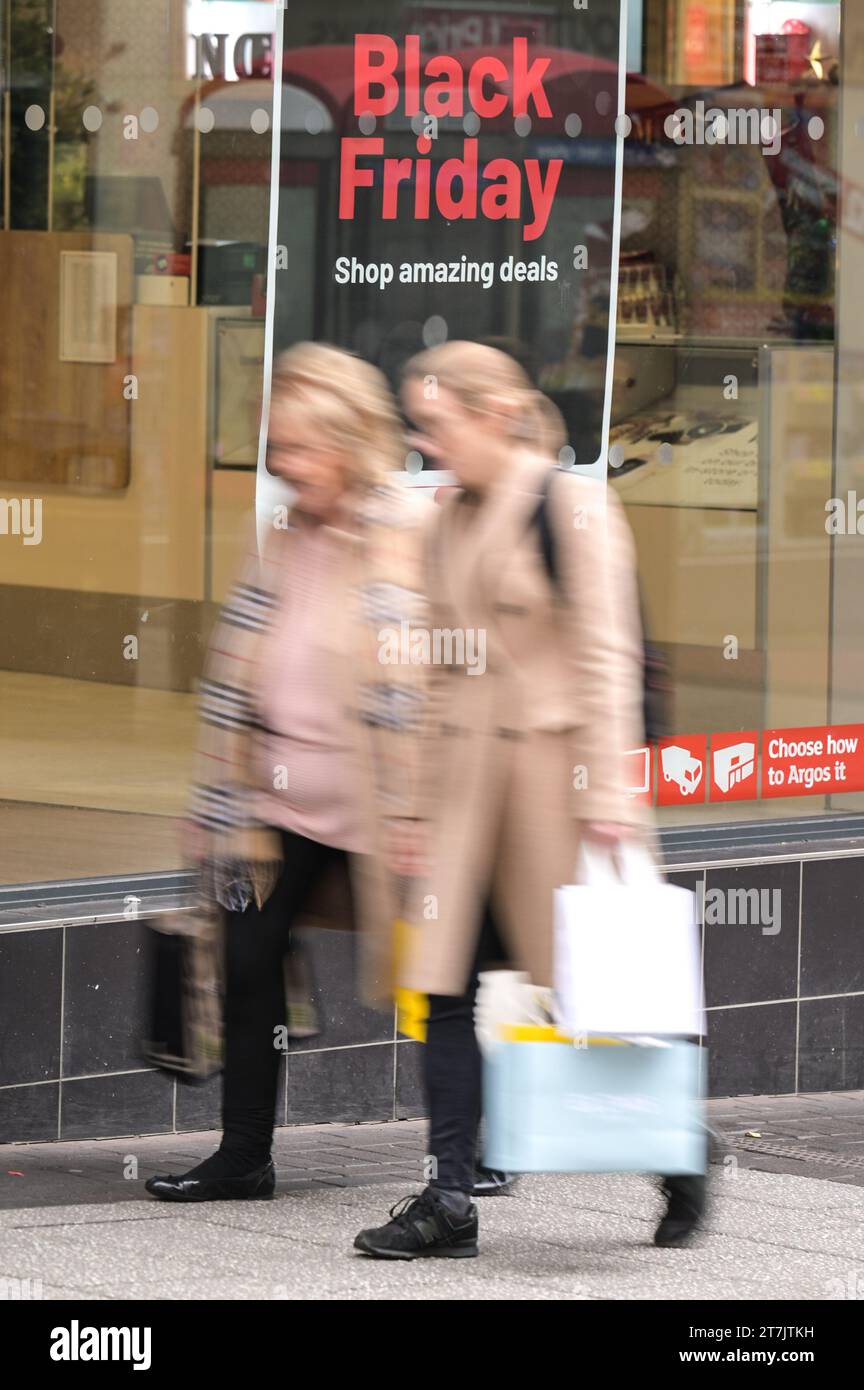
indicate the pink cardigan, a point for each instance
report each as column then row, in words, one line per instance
column 307, row 763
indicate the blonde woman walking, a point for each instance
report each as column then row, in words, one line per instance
column 307, row 777
column 526, row 761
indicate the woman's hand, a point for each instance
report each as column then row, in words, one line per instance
column 609, row 834
column 406, row 848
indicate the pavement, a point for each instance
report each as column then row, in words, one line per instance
column 786, row 1220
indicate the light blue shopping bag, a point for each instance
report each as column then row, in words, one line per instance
column 609, row 1107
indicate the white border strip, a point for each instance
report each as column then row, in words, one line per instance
column 265, row 485
column 600, row 465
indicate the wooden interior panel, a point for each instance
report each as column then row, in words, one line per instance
column 60, row 422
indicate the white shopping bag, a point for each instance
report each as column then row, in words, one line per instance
column 627, row 950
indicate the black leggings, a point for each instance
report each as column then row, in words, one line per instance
column 256, row 943
column 453, row 1071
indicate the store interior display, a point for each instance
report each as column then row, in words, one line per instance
column 687, row 458
column 728, row 256
column 646, row 295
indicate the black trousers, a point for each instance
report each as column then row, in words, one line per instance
column 256, row 943
column 453, row 1072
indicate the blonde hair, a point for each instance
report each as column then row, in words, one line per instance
column 348, row 400
column 477, row 373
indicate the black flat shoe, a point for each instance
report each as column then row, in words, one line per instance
column 685, row 1209
column 491, row 1182
column 257, row 1185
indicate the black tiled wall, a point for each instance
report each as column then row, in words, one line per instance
column 785, row 1011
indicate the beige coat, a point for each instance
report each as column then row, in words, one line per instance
column 519, row 757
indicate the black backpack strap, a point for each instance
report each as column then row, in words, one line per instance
column 656, row 694
column 541, row 520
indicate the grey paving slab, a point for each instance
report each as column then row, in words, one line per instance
column 74, row 1223
column 579, row 1237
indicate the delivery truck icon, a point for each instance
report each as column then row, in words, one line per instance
column 732, row 765
column 678, row 765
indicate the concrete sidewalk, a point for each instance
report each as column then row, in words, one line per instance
column 76, row 1222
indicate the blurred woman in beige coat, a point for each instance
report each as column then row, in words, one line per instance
column 526, row 754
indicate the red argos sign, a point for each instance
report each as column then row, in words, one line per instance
column 801, row 762
column 746, row 766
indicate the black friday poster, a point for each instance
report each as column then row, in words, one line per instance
column 452, row 171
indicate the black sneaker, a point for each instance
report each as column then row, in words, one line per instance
column 491, row 1182
column 420, row 1226
column 685, row 1209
